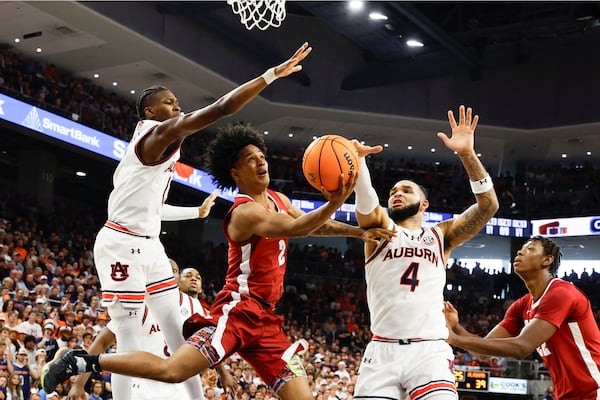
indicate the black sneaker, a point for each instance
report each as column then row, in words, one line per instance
column 61, row 368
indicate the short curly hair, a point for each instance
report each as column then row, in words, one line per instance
column 224, row 150
column 551, row 248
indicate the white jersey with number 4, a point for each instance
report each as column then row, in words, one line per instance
column 140, row 189
column 405, row 278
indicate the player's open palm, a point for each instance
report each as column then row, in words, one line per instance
column 461, row 140
column 363, row 150
column 293, row 64
column 207, row 205
column 451, row 314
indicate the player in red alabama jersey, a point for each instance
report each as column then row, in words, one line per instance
column 554, row 318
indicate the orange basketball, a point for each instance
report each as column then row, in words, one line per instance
column 326, row 158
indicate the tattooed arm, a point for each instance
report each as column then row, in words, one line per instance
column 335, row 228
column 462, row 228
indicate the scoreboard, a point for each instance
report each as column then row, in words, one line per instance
column 471, row 380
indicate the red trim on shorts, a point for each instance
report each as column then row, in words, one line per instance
column 160, row 286
column 385, row 339
column 432, row 387
column 122, row 229
column 125, row 297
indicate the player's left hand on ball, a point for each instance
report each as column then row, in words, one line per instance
column 343, row 191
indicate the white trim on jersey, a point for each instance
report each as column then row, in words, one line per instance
column 242, row 278
column 591, row 365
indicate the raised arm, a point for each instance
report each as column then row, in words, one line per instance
column 462, row 228
column 175, row 129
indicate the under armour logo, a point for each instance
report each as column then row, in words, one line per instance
column 482, row 181
column 133, row 313
column 133, row 251
column 367, row 360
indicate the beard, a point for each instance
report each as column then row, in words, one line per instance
column 400, row 214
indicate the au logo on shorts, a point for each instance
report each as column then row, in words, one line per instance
column 119, row 271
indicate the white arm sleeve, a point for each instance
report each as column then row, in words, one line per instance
column 176, row 213
column 366, row 197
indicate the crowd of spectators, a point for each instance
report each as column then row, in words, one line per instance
column 50, row 291
column 534, row 190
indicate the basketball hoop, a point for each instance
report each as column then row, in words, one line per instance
column 259, row 13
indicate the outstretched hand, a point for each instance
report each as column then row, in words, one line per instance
column 462, row 133
column 207, row 205
column 364, row 150
column 451, row 315
column 374, row 235
column 292, row 65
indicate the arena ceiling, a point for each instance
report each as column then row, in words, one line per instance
column 529, row 69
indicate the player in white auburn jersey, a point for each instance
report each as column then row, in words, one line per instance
column 131, row 262
column 408, row 357
column 154, row 342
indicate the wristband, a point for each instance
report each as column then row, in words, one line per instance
column 269, row 76
column 482, row 185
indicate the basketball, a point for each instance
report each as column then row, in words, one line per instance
column 326, row 158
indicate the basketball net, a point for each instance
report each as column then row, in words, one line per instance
column 259, row 13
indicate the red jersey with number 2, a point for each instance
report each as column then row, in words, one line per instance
column 257, row 266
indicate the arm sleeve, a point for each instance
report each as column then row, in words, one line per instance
column 365, row 196
column 176, row 213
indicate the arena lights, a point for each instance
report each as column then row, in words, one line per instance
column 356, row 5
column 414, row 43
column 377, row 16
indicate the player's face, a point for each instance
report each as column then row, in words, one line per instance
column 190, row 281
column 162, row 106
column 531, row 257
column 405, row 200
column 251, row 168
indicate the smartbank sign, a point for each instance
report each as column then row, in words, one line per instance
column 68, row 131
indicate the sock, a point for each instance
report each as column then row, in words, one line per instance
column 88, row 363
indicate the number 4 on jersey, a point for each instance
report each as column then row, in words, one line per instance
column 409, row 277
